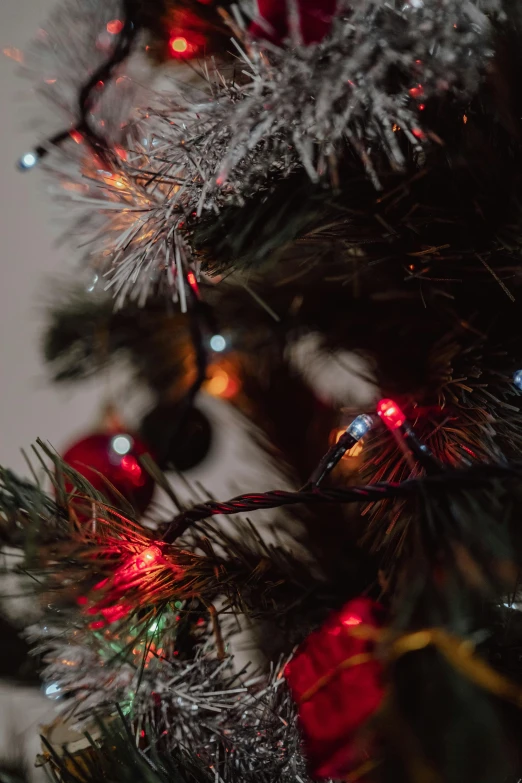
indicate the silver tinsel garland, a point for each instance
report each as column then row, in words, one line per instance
column 198, row 148
column 241, row 725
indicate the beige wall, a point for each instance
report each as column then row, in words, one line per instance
column 29, row 407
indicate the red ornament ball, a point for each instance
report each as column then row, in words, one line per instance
column 336, row 682
column 113, row 457
column 314, row 18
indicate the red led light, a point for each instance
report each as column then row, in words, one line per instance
column 179, row 44
column 180, row 47
column 115, row 26
column 351, row 620
column 391, row 414
column 193, row 283
column 147, row 558
column 417, row 91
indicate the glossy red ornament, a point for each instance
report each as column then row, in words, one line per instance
column 314, row 19
column 337, row 684
column 114, row 455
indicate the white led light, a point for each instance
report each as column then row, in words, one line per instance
column 121, row 444
column 360, row 426
column 92, row 284
column 218, row 343
column 28, row 160
column 517, row 379
column 53, row 689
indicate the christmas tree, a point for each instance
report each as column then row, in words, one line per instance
column 261, row 192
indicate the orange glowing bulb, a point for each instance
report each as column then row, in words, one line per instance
column 355, row 450
column 218, row 385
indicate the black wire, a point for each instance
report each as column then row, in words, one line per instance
column 105, row 72
column 439, row 482
column 121, row 51
column 332, row 457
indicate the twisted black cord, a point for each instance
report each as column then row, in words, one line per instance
column 102, row 74
column 447, row 481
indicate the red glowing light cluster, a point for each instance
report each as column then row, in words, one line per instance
column 391, row 414
column 127, row 575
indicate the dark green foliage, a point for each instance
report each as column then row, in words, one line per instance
column 85, row 334
column 423, row 278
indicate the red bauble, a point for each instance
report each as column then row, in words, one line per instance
column 337, row 684
column 114, row 455
column 315, row 19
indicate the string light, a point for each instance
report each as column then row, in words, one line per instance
column 355, row 451
column 115, row 26
column 396, row 421
column 122, row 444
column 220, row 383
column 28, row 161
column 52, row 690
column 218, row 343
column 147, row 558
column 359, row 427
column 517, row 379
column 179, row 44
column 391, row 414
column 193, row 283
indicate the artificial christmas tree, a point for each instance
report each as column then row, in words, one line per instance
column 343, row 175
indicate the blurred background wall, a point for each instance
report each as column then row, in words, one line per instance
column 29, row 406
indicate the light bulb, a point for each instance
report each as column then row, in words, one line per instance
column 391, row 414
column 121, row 444
column 360, row 426
column 178, row 44
column 28, row 161
column 218, row 343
